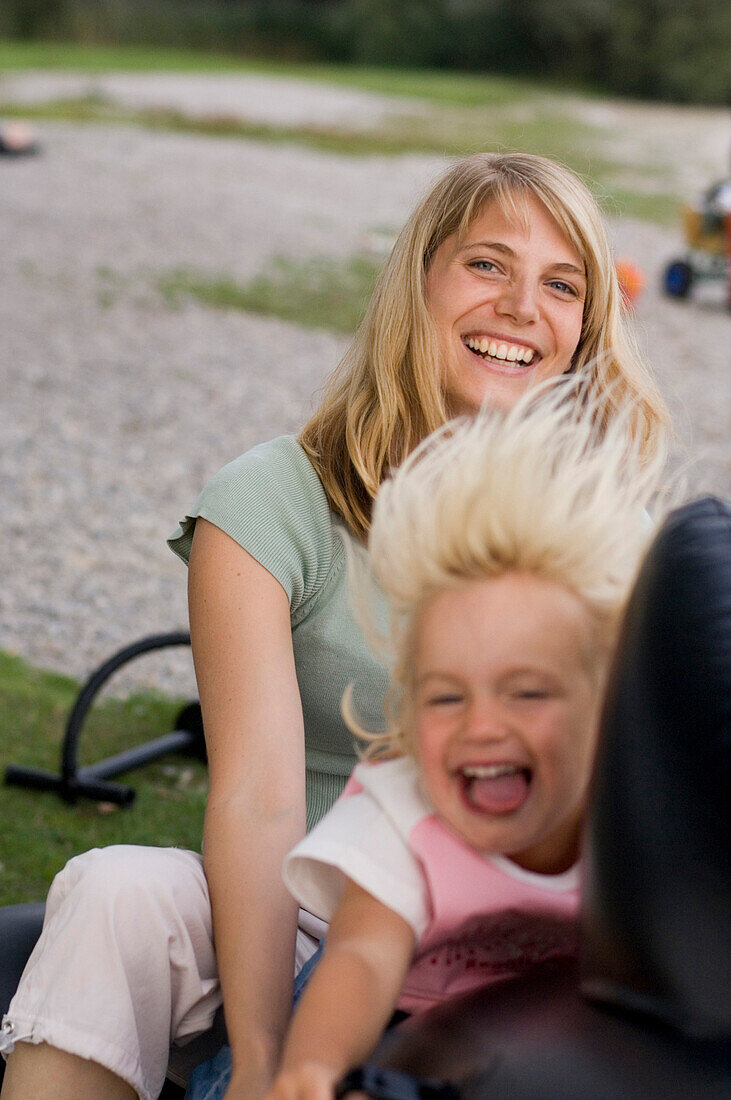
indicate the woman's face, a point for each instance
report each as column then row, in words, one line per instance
column 508, row 303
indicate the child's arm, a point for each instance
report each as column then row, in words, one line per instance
column 348, row 1000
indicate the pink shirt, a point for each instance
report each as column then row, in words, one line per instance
column 477, row 918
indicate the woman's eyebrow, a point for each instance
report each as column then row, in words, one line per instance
column 499, row 246
column 569, row 267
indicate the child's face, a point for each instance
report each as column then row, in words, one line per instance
column 507, row 693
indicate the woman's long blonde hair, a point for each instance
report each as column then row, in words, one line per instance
column 387, row 395
column 550, row 488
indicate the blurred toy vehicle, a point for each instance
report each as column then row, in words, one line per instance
column 708, row 236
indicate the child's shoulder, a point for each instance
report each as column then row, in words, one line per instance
column 394, row 786
column 377, row 775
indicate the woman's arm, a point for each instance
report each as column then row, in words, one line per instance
column 242, row 648
column 348, row 1000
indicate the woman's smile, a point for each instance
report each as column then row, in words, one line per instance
column 499, row 350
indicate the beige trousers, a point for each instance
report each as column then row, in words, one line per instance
column 125, row 965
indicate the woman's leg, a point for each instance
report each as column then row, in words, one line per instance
column 124, row 966
column 42, row 1070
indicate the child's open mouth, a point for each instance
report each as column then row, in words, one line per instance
column 502, row 353
column 495, row 788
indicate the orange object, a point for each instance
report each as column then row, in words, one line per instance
column 631, row 282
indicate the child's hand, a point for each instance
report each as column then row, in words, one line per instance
column 307, row 1081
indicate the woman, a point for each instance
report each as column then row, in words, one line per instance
column 501, row 278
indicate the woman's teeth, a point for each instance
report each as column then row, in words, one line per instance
column 512, row 353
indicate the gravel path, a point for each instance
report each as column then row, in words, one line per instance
column 258, row 98
column 117, row 407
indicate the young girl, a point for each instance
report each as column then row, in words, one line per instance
column 506, row 548
column 501, row 278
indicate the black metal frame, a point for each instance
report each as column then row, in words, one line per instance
column 74, row 782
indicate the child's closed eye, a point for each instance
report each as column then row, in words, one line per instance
column 444, row 699
column 531, row 694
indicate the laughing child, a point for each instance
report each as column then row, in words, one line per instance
column 506, row 547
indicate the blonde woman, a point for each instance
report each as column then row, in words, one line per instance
column 501, row 278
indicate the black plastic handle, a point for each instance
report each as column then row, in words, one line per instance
column 391, row 1084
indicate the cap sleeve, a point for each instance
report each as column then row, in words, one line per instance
column 271, row 501
column 356, row 841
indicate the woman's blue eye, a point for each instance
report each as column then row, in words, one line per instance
column 565, row 288
column 484, row 265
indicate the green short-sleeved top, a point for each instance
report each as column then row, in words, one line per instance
column 271, row 501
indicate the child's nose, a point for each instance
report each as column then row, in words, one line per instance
column 485, row 721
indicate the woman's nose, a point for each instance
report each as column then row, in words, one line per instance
column 518, row 300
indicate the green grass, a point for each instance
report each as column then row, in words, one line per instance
column 648, row 206
column 92, row 109
column 39, row 831
column 448, row 136
column 438, row 86
column 75, row 57
column 322, row 293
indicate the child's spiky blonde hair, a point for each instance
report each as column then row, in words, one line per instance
column 542, row 489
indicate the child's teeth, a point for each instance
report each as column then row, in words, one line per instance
column 489, row 771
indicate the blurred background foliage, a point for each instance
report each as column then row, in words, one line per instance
column 651, row 49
